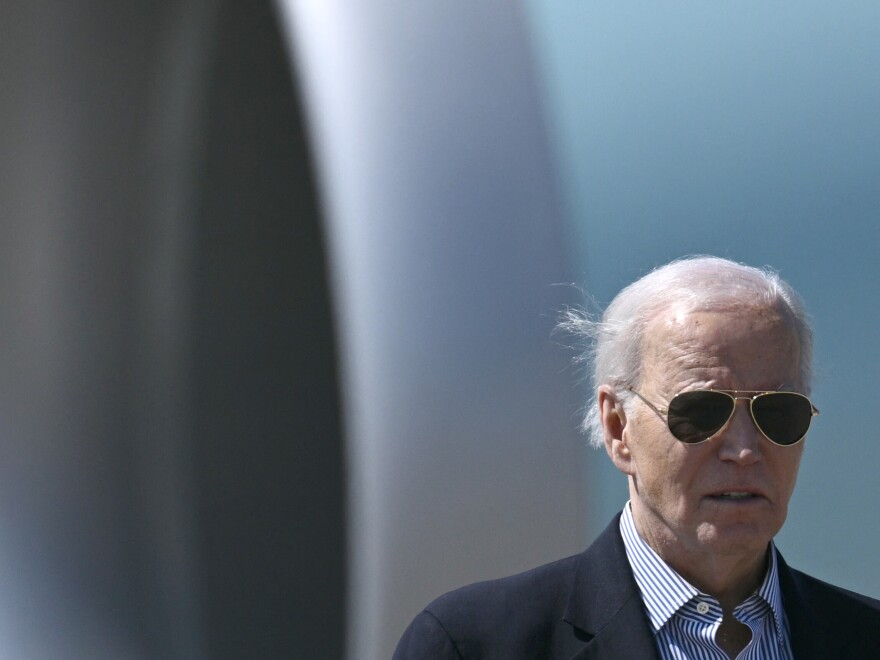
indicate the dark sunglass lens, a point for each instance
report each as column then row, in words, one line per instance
column 784, row 417
column 697, row 416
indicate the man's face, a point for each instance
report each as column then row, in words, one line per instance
column 681, row 494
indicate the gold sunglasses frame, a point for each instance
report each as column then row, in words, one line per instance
column 663, row 411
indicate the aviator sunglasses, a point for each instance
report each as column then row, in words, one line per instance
column 697, row 415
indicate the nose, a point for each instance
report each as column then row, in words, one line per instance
column 741, row 441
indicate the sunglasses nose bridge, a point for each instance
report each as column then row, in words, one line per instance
column 752, row 423
column 740, row 437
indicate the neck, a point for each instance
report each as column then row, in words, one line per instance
column 727, row 576
column 731, row 582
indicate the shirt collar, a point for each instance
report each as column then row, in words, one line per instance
column 664, row 591
column 771, row 594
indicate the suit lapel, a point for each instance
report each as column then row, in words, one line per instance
column 805, row 628
column 605, row 607
column 608, row 617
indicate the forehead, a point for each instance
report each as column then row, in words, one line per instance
column 737, row 348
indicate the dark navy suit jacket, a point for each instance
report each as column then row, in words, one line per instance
column 588, row 606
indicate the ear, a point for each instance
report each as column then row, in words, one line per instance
column 614, row 424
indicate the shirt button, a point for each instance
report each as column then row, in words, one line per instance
column 702, row 607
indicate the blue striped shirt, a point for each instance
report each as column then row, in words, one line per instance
column 684, row 620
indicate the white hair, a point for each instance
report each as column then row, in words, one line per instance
column 612, row 345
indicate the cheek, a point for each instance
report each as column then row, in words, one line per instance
column 788, row 468
column 662, row 467
column 675, row 474
column 645, row 448
column 659, row 469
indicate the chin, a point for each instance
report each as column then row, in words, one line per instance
column 740, row 538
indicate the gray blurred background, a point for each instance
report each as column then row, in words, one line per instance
column 278, row 283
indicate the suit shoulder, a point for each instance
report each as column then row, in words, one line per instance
column 544, row 588
column 519, row 616
column 836, row 600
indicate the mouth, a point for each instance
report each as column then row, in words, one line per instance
column 734, row 496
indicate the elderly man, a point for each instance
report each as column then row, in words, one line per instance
column 702, row 374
